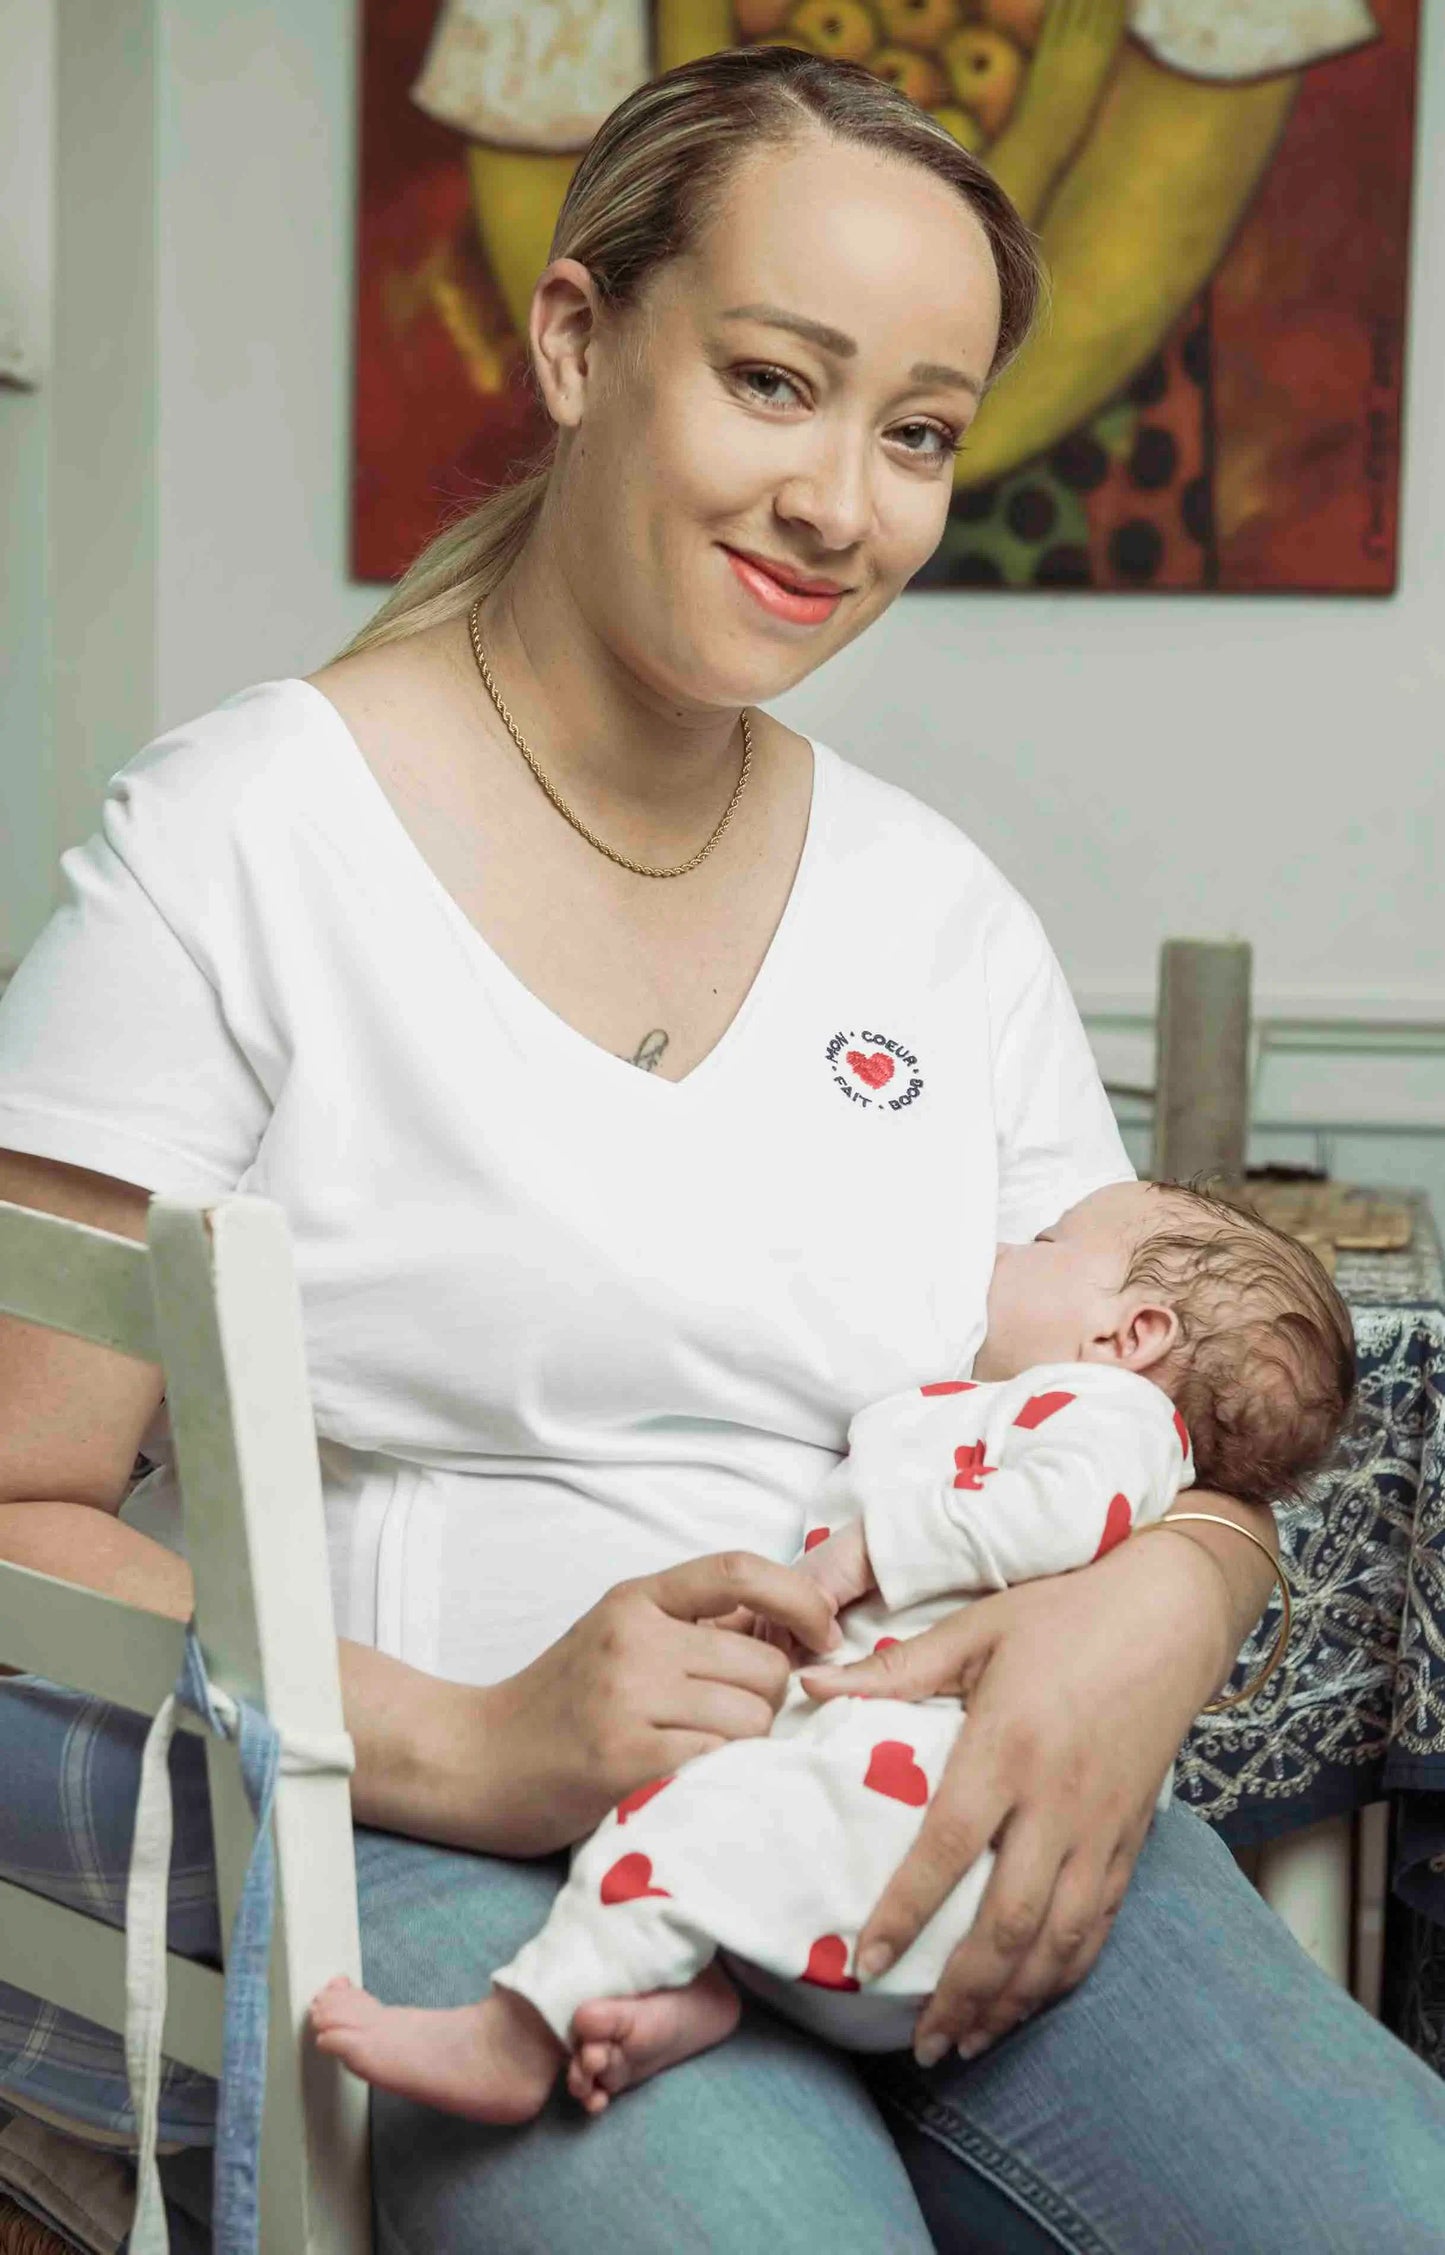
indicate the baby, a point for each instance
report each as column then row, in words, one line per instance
column 1151, row 1335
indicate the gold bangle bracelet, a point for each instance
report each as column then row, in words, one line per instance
column 1216, row 1519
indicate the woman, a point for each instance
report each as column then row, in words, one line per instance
column 611, row 1201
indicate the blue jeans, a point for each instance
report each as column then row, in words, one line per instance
column 1206, row 2091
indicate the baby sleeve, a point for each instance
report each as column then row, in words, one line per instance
column 970, row 1487
column 1057, row 1136
column 115, row 1050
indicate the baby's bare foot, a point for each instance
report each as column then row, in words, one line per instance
column 495, row 2061
column 619, row 2041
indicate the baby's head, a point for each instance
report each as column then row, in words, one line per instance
column 1239, row 1325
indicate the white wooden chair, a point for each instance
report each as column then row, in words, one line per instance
column 211, row 1296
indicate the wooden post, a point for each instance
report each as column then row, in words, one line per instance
column 1201, row 1077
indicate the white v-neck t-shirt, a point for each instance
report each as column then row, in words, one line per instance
column 566, row 1322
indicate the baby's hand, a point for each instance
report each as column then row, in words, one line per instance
column 841, row 1567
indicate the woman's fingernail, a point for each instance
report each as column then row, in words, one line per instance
column 874, row 1960
column 929, row 2050
column 971, row 2045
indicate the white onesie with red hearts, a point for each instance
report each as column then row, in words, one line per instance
column 774, row 1850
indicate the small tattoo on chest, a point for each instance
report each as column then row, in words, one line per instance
column 649, row 1050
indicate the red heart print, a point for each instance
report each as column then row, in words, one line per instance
column 1183, row 1431
column 629, row 1805
column 950, row 1386
column 814, row 1536
column 875, row 1070
column 884, row 1642
column 1117, row 1522
column 827, row 1963
column 892, row 1770
column 971, row 1469
column 628, row 1880
column 1042, row 1405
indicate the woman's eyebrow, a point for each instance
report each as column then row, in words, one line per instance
column 934, row 372
column 845, row 347
column 817, row 332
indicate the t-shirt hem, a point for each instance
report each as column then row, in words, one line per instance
column 74, row 1140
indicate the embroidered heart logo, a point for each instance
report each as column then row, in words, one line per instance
column 1042, row 1405
column 629, row 1805
column 892, row 1770
column 884, row 1642
column 1183, row 1431
column 950, row 1386
column 972, row 1471
column 1118, row 1520
column 814, row 1536
column 874, row 1070
column 628, row 1880
column 827, row 1964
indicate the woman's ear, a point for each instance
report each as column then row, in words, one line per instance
column 565, row 307
column 1143, row 1335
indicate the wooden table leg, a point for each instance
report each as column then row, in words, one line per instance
column 1372, row 1885
column 1306, row 1877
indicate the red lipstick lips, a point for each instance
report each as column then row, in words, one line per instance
column 783, row 591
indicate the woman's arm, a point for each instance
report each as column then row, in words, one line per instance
column 1080, row 1689
column 423, row 1749
column 645, row 1680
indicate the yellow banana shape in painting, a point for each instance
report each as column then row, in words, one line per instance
column 1138, row 223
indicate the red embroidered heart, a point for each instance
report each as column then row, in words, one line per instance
column 892, row 1770
column 814, row 1536
column 632, row 1802
column 884, row 1642
column 628, row 1880
column 875, row 1071
column 950, row 1386
column 1117, row 1522
column 1183, row 1431
column 827, row 1961
column 972, row 1471
column 1043, row 1405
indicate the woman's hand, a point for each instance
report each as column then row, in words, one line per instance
column 1079, row 1690
column 655, row 1673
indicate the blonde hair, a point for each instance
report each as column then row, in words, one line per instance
column 654, row 168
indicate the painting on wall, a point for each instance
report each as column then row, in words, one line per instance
column 1221, row 188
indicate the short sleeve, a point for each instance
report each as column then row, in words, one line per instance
column 114, row 1051
column 1058, row 1139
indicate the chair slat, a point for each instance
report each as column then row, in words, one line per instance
column 97, row 1644
column 50, row 1951
column 73, row 1278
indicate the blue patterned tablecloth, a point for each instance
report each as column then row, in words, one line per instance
column 1356, row 1713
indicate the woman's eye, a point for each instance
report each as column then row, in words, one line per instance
column 930, row 441
column 763, row 384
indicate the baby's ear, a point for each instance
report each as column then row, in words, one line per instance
column 1148, row 1334
column 1138, row 1334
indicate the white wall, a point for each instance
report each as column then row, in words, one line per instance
column 1140, row 765
column 257, row 178
column 27, row 847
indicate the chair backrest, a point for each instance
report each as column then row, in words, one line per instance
column 211, row 1296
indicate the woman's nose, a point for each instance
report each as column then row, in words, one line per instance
column 832, row 495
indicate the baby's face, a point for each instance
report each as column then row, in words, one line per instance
column 1053, row 1299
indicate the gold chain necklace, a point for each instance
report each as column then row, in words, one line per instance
column 639, row 869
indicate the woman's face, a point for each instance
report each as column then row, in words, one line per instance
column 786, row 399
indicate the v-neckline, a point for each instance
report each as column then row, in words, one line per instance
column 451, row 908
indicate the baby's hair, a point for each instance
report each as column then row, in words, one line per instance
column 1264, row 1372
